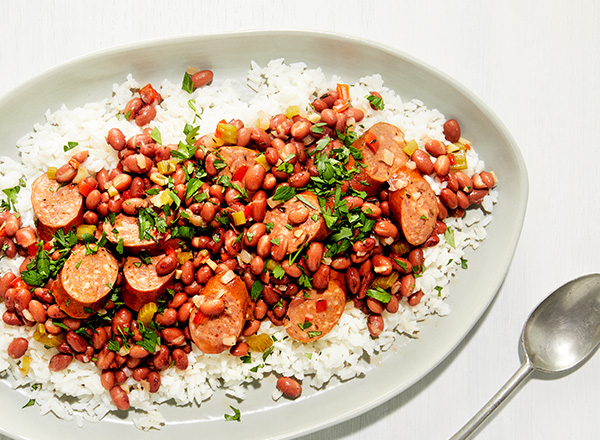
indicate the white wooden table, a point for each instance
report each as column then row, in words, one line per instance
column 535, row 63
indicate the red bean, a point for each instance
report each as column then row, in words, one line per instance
column 145, row 115
column 166, row 265
column 375, row 325
column 161, row 358
column 435, row 148
column 423, row 161
column 321, row 277
column 449, row 198
column 116, row 139
column 173, row 336
column 212, row 307
column 289, row 387
column 180, row 359
column 202, row 78
column 76, row 342
column 382, row 265
column 65, row 173
column 442, row 166
column 59, row 362
column 17, row 347
column 254, row 177
column 240, row 349
column 153, row 381
column 385, row 229
column 5, row 281
column 488, row 179
column 407, row 285
column 119, row 398
column 452, row 130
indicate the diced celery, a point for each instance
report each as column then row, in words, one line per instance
column 410, row 147
column 51, row 173
column 166, row 167
column 85, row 229
column 460, row 160
column 292, row 111
column 147, row 312
column 385, row 282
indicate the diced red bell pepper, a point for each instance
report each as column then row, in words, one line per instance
column 343, row 91
column 240, row 173
column 372, row 142
column 200, row 318
column 85, row 188
column 149, row 95
column 248, row 211
column 47, row 246
column 452, row 159
column 341, row 107
column 32, row 249
column 18, row 283
column 321, row 305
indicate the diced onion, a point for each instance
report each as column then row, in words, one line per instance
column 245, row 257
column 210, row 263
column 229, row 341
column 259, row 342
column 159, row 179
column 228, row 277
column 82, row 173
column 263, row 120
column 388, row 157
column 25, row 365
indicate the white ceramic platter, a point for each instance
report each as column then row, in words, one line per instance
column 90, row 79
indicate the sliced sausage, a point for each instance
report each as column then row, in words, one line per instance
column 55, row 206
column 312, row 229
column 382, row 159
column 85, row 281
column 141, row 283
column 312, row 313
column 413, row 205
column 235, row 158
column 219, row 332
column 127, row 228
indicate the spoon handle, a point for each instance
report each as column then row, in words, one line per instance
column 512, row 383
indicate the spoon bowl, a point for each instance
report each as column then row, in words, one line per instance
column 561, row 333
column 565, row 328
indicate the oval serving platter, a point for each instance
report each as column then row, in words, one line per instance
column 90, row 78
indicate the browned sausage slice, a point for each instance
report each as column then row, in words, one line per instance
column 312, row 314
column 235, row 158
column 127, row 228
column 55, row 206
column 413, row 205
column 381, row 163
column 312, row 229
column 217, row 333
column 85, row 281
column 141, row 283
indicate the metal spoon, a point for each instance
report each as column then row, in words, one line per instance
column 562, row 332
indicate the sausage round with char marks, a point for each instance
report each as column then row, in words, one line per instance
column 413, row 205
column 382, row 159
column 236, row 158
column 84, row 281
column 141, row 283
column 127, row 228
column 312, row 229
column 312, row 314
column 55, row 206
column 219, row 332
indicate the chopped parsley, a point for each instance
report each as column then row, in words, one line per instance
column 235, row 417
column 256, row 290
column 187, row 84
column 11, row 193
column 156, row 136
column 379, row 294
column 449, row 237
column 376, row 102
column 70, row 146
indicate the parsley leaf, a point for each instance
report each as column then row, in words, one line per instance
column 235, row 417
column 187, row 84
column 379, row 294
column 449, row 237
column 256, row 290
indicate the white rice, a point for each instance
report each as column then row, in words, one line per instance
column 340, row 353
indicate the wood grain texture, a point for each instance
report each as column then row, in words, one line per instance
column 535, row 63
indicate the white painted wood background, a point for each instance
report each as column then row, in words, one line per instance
column 535, row 63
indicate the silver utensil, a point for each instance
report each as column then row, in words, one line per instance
column 562, row 332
